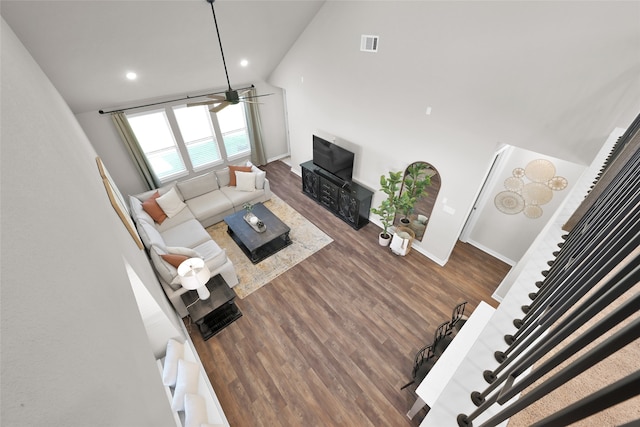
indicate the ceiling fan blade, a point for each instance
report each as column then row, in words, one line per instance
column 216, row 97
column 257, row 96
column 219, row 107
column 196, row 104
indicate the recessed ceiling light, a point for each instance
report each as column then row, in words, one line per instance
column 131, row 75
column 244, row 63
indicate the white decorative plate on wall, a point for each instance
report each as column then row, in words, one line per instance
column 509, row 202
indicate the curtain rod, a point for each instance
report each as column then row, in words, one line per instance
column 169, row 101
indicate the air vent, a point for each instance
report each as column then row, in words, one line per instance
column 369, row 43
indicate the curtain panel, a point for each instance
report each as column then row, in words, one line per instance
column 255, row 131
column 135, row 151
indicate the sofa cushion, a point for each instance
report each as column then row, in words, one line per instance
column 150, row 235
column 169, row 273
column 223, row 177
column 232, row 173
column 152, row 207
column 137, row 212
column 245, row 181
column 182, row 216
column 212, row 254
column 171, row 203
column 209, row 204
column 198, row 186
column 189, row 234
column 261, row 175
column 238, row 198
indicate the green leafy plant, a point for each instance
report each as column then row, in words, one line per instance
column 248, row 207
column 387, row 208
column 416, row 182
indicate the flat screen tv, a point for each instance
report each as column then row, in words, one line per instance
column 333, row 159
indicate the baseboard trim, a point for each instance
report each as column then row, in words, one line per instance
column 492, row 253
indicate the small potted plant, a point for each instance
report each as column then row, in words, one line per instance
column 387, row 208
column 249, row 216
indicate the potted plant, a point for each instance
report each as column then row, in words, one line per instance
column 414, row 187
column 387, row 208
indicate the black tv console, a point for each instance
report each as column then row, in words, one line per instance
column 349, row 202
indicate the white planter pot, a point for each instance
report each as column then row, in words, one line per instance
column 384, row 241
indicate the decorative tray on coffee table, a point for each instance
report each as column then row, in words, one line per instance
column 255, row 222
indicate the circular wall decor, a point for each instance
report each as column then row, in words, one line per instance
column 514, row 184
column 533, row 211
column 518, row 172
column 509, row 202
column 558, row 183
column 540, row 170
column 535, row 193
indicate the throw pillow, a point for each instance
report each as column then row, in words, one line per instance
column 174, row 259
column 245, row 181
column 175, row 352
column 260, row 175
column 232, row 173
column 186, row 383
column 195, row 410
column 171, row 203
column 152, row 207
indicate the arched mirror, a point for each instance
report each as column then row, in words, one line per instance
column 418, row 193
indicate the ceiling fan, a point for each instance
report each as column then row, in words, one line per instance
column 231, row 96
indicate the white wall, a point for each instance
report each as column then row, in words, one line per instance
column 492, row 72
column 106, row 141
column 74, row 347
column 508, row 236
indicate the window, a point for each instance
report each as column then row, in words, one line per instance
column 233, row 126
column 179, row 140
column 156, row 139
column 198, row 135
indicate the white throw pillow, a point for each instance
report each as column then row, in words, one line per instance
column 186, row 383
column 245, row 181
column 195, row 410
column 171, row 203
column 260, row 175
column 175, row 352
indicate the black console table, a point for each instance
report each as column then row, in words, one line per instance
column 216, row 312
column 350, row 202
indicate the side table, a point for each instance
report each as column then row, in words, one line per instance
column 215, row 313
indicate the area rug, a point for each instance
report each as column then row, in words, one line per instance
column 306, row 237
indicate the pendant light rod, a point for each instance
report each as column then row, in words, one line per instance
column 215, row 21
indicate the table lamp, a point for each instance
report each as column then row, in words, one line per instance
column 194, row 275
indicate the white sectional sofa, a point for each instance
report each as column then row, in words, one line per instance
column 171, row 222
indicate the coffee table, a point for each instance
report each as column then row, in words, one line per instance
column 216, row 312
column 258, row 246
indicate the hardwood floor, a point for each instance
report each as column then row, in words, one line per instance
column 331, row 341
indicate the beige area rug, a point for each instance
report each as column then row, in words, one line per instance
column 306, row 237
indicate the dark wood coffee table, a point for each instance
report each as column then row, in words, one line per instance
column 216, row 312
column 258, row 246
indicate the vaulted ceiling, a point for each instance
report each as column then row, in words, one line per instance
column 87, row 47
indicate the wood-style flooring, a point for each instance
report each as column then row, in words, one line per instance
column 331, row 341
